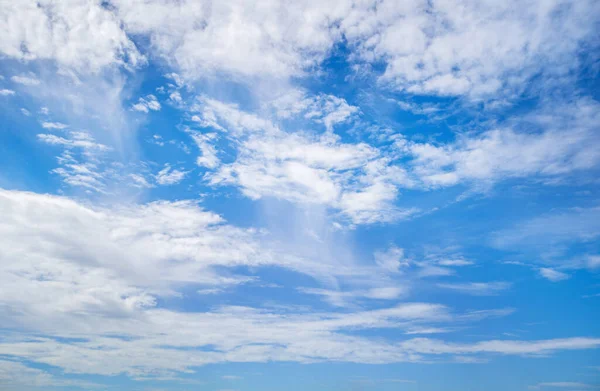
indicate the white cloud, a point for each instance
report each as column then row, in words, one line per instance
column 470, row 48
column 347, row 298
column 391, row 260
column 170, row 176
column 239, row 37
column 552, row 234
column 81, row 140
column 175, row 97
column 455, row 262
column 93, row 276
column 26, row 80
column 363, row 182
column 305, row 168
column 18, row 375
column 85, row 163
column 140, row 181
column 164, row 232
column 79, row 163
column 146, row 104
column 422, row 345
column 208, row 157
column 54, row 125
column 553, row 275
column 6, row 92
column 555, row 142
column 328, row 110
column 53, row 30
column 441, row 47
column 477, row 288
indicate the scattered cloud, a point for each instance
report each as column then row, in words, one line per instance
column 146, row 104
column 54, row 125
column 170, row 176
column 353, row 178
column 26, row 80
column 553, row 275
column 61, row 37
column 477, row 288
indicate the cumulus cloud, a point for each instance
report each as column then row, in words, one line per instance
column 237, row 37
column 146, row 104
column 353, row 178
column 437, row 48
column 52, row 30
column 470, row 48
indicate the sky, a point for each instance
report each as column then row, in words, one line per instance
column 266, row 195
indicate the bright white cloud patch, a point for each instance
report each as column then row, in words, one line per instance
column 170, row 176
column 52, row 30
column 147, row 104
column 470, row 47
column 553, row 275
column 354, row 178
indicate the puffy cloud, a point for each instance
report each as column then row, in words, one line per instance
column 363, row 182
column 300, row 167
column 146, row 104
column 439, row 48
column 473, row 48
column 54, row 30
column 242, row 38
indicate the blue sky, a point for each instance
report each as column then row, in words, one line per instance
column 267, row 195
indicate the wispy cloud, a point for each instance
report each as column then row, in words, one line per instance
column 477, row 288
